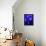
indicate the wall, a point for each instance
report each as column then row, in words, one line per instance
column 43, row 22
column 6, row 13
column 29, row 32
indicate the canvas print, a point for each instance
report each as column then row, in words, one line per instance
column 28, row 19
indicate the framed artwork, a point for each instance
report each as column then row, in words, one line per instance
column 28, row 19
